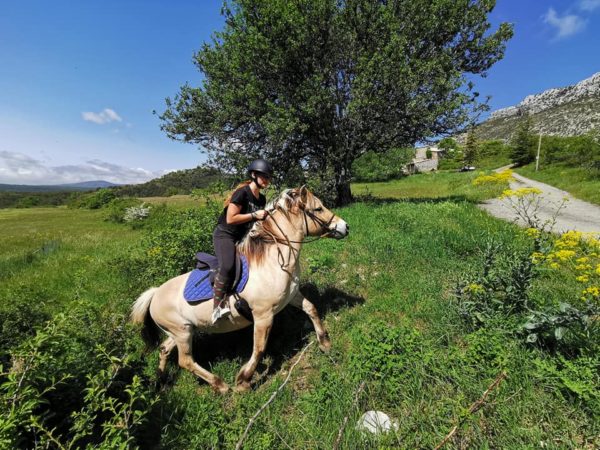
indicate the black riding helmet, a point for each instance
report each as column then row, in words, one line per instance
column 262, row 166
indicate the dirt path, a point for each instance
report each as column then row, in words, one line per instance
column 575, row 215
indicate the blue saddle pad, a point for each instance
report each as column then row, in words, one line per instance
column 198, row 287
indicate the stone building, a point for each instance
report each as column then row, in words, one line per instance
column 421, row 162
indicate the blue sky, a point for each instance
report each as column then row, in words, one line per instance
column 79, row 80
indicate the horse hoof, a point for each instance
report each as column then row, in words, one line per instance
column 325, row 346
column 244, row 386
column 220, row 387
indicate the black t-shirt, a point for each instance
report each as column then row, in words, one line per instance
column 249, row 204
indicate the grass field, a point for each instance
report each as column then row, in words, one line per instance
column 580, row 183
column 385, row 294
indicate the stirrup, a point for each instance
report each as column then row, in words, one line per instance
column 220, row 311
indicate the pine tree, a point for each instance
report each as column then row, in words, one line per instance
column 522, row 149
column 471, row 148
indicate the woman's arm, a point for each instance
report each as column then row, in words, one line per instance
column 234, row 217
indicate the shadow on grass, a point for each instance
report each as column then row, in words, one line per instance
column 291, row 330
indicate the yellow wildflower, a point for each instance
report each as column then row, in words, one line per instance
column 592, row 291
column 554, row 265
column 563, row 255
column 583, row 267
column 582, row 260
column 532, row 232
column 536, row 257
column 497, row 178
column 583, row 278
column 475, row 288
column 598, row 269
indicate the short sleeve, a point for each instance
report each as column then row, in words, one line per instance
column 239, row 197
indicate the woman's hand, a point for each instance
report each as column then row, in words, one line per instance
column 261, row 214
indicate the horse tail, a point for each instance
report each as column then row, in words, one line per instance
column 140, row 314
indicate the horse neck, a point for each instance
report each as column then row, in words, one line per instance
column 290, row 233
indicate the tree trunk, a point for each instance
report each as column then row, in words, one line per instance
column 344, row 194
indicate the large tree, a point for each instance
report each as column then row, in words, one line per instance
column 314, row 84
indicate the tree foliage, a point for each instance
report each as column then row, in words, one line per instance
column 317, row 83
column 373, row 166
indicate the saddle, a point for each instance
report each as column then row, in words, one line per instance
column 199, row 285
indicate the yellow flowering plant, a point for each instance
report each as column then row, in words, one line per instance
column 503, row 177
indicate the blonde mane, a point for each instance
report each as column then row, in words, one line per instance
column 256, row 242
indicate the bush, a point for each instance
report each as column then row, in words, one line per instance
column 94, row 200
column 117, row 208
column 77, row 378
column 381, row 166
column 172, row 240
column 574, row 151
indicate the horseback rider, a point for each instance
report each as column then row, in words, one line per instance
column 243, row 206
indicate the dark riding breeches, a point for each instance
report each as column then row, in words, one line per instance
column 224, row 244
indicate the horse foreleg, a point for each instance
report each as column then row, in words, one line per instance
column 165, row 350
column 262, row 328
column 186, row 361
column 302, row 303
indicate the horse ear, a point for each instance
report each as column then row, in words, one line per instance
column 303, row 193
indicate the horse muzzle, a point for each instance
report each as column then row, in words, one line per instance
column 340, row 230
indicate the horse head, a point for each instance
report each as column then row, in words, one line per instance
column 318, row 220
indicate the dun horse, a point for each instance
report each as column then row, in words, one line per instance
column 272, row 248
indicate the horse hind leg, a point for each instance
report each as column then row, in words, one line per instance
column 165, row 350
column 186, row 361
column 300, row 302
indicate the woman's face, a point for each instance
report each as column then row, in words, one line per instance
column 262, row 180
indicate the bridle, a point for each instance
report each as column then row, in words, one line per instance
column 288, row 242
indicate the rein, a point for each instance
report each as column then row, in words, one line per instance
column 288, row 242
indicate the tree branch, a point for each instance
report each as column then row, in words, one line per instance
column 263, row 407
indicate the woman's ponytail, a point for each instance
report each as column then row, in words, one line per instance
column 239, row 186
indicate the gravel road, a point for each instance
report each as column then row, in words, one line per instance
column 575, row 215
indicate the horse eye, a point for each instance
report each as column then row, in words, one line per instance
column 318, row 209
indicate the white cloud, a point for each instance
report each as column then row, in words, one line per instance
column 107, row 115
column 589, row 5
column 566, row 25
column 18, row 168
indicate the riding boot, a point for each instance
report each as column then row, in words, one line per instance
column 221, row 309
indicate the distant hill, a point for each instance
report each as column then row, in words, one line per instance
column 178, row 182
column 567, row 111
column 82, row 186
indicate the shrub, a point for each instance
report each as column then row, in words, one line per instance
column 500, row 290
column 374, row 166
column 116, row 210
column 173, row 239
column 94, row 200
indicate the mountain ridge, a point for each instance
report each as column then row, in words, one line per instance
column 80, row 186
column 567, row 111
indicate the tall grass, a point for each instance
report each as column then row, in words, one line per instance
column 579, row 182
column 385, row 294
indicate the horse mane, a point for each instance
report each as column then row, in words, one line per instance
column 256, row 242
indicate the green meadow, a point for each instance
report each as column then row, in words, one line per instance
column 579, row 182
column 387, row 295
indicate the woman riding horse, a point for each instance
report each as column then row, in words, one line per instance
column 272, row 248
column 242, row 207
